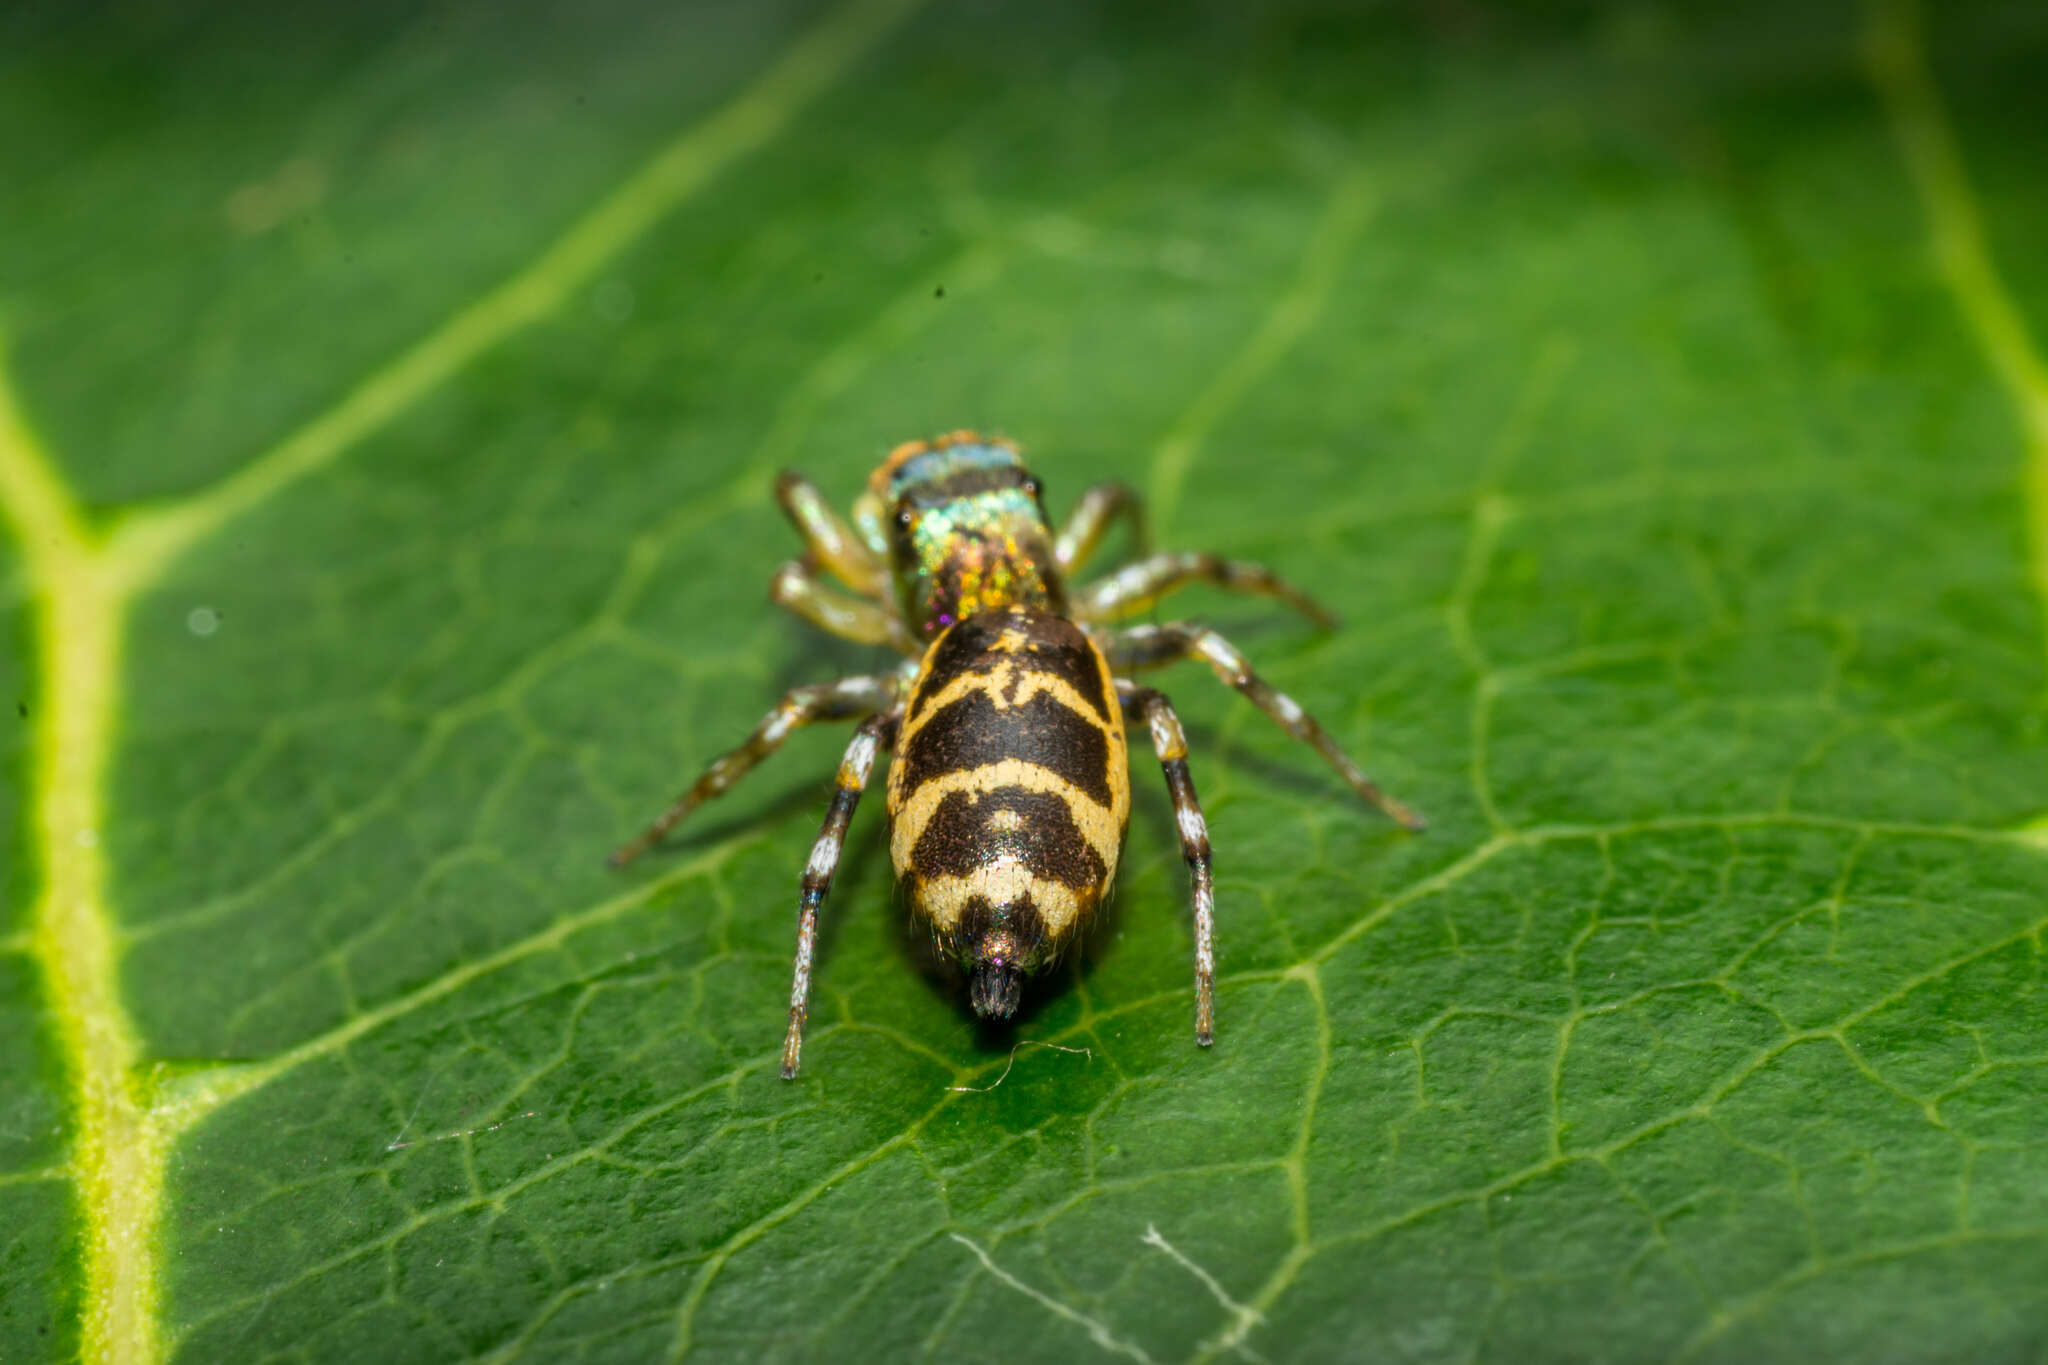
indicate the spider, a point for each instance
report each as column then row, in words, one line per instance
column 1010, row 791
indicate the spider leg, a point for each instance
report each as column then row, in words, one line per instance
column 795, row 588
column 1135, row 587
column 875, row 733
column 821, row 701
column 829, row 538
column 1172, row 748
column 1152, row 646
column 1098, row 508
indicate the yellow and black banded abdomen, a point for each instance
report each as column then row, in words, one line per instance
column 1010, row 789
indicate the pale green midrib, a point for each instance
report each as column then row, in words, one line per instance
column 117, row 1148
column 1897, row 63
column 85, row 578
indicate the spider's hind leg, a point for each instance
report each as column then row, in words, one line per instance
column 875, row 734
column 1172, row 748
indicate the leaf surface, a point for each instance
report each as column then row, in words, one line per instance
column 391, row 403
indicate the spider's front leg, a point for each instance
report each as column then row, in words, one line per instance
column 870, row 618
column 795, row 588
column 829, row 539
column 1092, row 516
column 875, row 734
column 1135, row 587
column 1152, row 646
column 1172, row 748
column 840, row 700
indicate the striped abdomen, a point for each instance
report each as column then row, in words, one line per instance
column 1009, row 793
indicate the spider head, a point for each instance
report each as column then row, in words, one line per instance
column 962, row 524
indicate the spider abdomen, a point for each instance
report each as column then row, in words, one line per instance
column 1009, row 793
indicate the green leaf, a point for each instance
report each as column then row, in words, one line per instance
column 389, row 406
